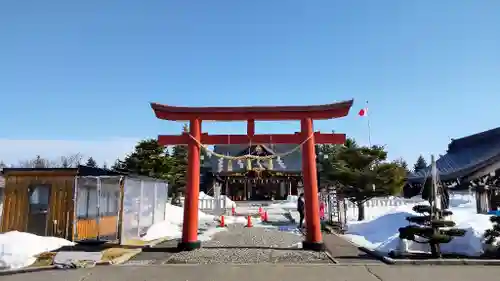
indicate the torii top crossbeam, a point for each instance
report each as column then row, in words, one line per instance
column 257, row 113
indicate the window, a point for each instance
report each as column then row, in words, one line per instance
column 88, row 197
column 82, row 202
column 39, row 195
column 39, row 198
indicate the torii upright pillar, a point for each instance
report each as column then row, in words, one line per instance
column 190, row 225
column 307, row 138
column 309, row 173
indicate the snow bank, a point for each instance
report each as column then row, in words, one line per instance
column 171, row 227
column 18, row 249
column 381, row 233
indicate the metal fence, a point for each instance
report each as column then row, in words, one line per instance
column 144, row 204
column 335, row 209
column 97, row 207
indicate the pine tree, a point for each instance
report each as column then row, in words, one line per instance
column 492, row 237
column 147, row 159
column 401, row 162
column 179, row 166
column 91, row 162
column 361, row 173
column 117, row 165
column 420, row 164
column 431, row 224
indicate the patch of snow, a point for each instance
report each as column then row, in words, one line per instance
column 18, row 249
column 171, row 227
column 284, row 205
column 381, row 232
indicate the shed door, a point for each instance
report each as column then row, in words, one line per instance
column 39, row 196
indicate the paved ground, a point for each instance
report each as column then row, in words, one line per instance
column 346, row 253
column 276, row 272
column 238, row 245
column 241, row 245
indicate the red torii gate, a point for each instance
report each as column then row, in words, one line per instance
column 307, row 137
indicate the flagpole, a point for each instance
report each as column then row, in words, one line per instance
column 368, row 123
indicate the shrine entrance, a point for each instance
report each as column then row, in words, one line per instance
column 305, row 141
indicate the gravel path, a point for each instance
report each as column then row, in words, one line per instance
column 250, row 245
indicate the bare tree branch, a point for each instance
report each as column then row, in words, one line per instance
column 68, row 161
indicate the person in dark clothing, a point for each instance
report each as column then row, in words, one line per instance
column 301, row 208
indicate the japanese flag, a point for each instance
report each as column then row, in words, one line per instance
column 363, row 112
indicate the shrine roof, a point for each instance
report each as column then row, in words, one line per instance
column 467, row 158
column 262, row 113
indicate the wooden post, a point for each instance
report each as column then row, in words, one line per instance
column 190, row 227
column 314, row 239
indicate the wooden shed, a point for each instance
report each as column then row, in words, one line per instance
column 55, row 202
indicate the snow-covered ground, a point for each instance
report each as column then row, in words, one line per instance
column 18, row 249
column 171, row 227
column 380, row 231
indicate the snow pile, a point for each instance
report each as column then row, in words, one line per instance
column 18, row 249
column 381, row 233
column 171, row 227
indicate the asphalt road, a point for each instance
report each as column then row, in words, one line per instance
column 228, row 272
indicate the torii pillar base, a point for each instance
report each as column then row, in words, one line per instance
column 188, row 246
column 313, row 246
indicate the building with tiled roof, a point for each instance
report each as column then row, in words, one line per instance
column 471, row 162
column 255, row 179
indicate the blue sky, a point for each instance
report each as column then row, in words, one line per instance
column 79, row 76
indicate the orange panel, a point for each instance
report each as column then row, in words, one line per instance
column 88, row 228
column 108, row 225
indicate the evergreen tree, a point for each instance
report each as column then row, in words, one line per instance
column 420, row 164
column 117, row 165
column 492, row 236
column 431, row 224
column 326, row 155
column 147, row 159
column 401, row 162
column 361, row 173
column 179, row 161
column 91, row 162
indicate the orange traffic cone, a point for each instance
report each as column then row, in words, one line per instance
column 249, row 221
column 222, row 222
column 233, row 211
column 265, row 216
column 260, row 210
